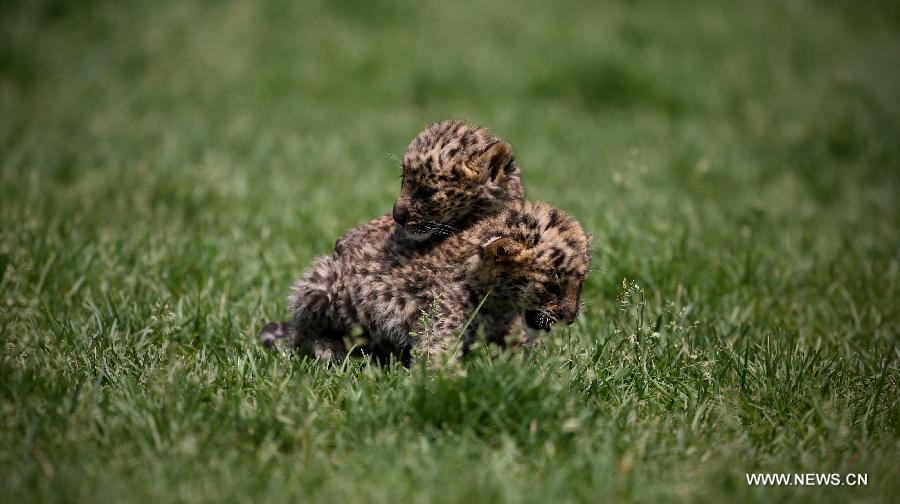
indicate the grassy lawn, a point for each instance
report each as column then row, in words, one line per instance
column 167, row 168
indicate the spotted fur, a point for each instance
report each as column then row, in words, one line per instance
column 453, row 174
column 530, row 261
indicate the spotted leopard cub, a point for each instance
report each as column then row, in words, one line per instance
column 529, row 261
column 454, row 174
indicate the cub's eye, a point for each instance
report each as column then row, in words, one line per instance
column 423, row 193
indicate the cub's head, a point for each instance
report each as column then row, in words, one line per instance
column 539, row 257
column 453, row 174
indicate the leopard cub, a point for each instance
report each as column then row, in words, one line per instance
column 454, row 174
column 528, row 262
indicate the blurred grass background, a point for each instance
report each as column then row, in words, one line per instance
column 167, row 168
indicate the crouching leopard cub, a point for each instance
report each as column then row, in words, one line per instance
column 453, row 175
column 527, row 262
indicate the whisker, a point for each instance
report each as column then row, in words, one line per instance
column 441, row 225
column 438, row 228
column 443, row 230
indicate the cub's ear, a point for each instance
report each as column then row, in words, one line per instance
column 490, row 164
column 493, row 161
column 504, row 250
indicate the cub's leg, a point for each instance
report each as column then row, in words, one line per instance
column 436, row 337
column 516, row 335
column 314, row 329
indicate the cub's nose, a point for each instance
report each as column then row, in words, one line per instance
column 401, row 213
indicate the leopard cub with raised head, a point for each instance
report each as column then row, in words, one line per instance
column 454, row 174
column 528, row 262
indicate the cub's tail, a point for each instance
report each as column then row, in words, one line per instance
column 272, row 332
column 309, row 302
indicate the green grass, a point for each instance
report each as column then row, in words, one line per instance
column 167, row 168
